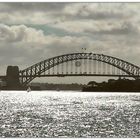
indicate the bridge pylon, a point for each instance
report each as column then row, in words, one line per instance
column 12, row 78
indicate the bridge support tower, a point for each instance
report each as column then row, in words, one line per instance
column 12, row 78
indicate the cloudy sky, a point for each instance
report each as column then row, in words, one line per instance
column 31, row 32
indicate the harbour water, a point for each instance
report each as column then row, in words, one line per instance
column 69, row 114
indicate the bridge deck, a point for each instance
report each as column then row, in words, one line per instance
column 64, row 75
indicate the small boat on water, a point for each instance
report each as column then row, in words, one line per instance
column 28, row 89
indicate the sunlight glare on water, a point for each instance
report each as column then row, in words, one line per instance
column 69, row 114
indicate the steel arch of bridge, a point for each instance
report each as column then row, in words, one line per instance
column 28, row 74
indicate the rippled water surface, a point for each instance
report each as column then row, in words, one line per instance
column 69, row 114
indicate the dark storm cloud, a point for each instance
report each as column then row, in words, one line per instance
column 94, row 15
column 31, row 6
column 97, row 12
column 101, row 15
column 58, row 12
column 90, row 16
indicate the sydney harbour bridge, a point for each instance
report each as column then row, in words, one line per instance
column 75, row 64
